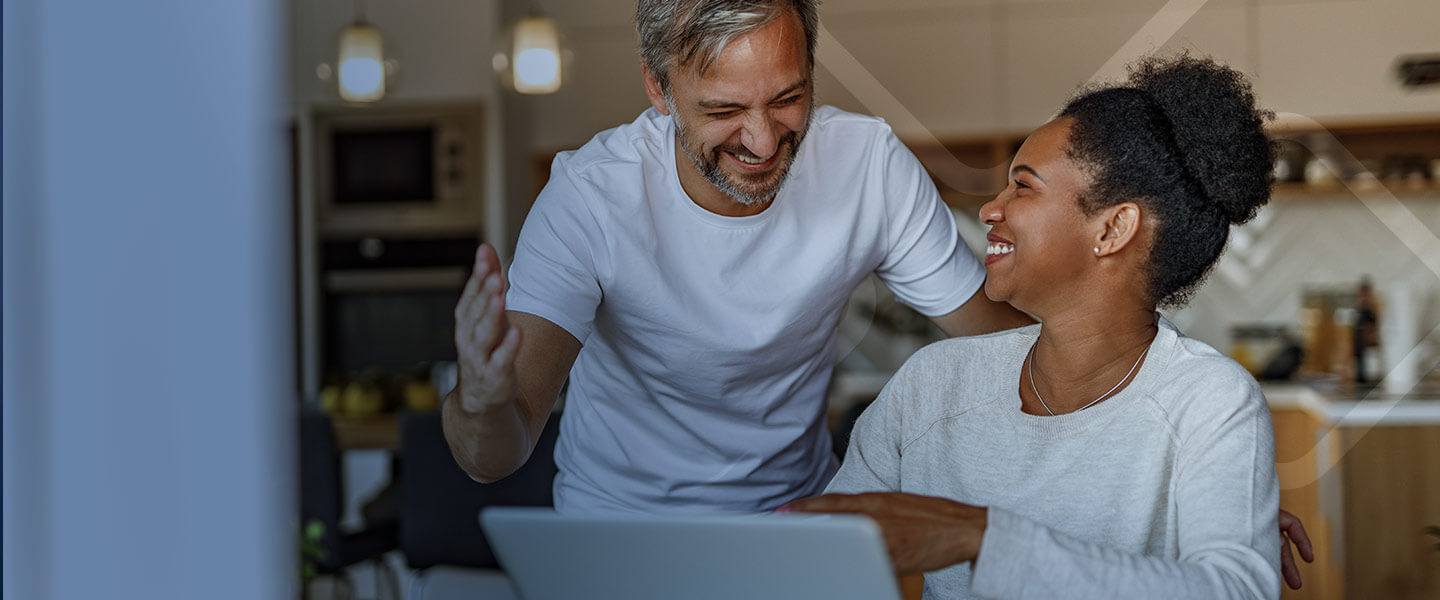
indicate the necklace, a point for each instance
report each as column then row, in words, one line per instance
column 1030, row 373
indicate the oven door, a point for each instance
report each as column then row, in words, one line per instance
column 391, row 310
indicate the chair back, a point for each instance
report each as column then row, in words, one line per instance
column 320, row 484
column 440, row 504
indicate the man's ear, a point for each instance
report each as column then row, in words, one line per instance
column 1120, row 227
column 654, row 91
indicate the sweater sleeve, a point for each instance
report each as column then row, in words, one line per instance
column 872, row 458
column 1227, row 498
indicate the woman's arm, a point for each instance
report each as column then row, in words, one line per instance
column 1225, row 497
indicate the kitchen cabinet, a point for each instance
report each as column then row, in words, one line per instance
column 870, row 60
column 1365, row 479
column 1051, row 48
column 965, row 68
column 1336, row 59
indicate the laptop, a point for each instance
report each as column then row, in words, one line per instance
column 550, row 556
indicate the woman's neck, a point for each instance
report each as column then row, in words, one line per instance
column 1082, row 355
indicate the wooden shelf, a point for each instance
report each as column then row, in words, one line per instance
column 1305, row 191
column 969, row 171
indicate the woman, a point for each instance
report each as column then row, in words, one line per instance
column 1101, row 453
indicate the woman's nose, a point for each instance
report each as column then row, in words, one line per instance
column 990, row 212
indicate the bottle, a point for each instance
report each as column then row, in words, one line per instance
column 1366, row 332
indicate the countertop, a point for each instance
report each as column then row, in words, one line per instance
column 1419, row 407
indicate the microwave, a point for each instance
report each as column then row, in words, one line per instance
column 412, row 171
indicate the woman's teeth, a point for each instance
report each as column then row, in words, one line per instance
column 999, row 248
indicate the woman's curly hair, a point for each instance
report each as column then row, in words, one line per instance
column 1184, row 139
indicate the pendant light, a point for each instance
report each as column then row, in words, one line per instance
column 361, row 66
column 532, row 62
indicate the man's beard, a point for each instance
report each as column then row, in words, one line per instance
column 746, row 191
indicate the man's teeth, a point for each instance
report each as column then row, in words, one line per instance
column 749, row 160
column 999, row 248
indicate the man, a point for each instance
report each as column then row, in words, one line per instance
column 688, row 270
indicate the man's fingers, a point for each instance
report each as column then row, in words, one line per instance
column 471, row 311
column 491, row 327
column 504, row 355
column 486, row 260
column 1287, row 564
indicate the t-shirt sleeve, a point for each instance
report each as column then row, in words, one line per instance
column 926, row 265
column 558, row 258
column 1227, row 499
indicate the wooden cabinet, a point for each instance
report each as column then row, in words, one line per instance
column 1366, row 495
column 1390, row 493
column 1303, row 462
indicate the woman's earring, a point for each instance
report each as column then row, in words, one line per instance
column 1097, row 251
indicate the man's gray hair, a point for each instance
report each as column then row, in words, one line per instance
column 692, row 33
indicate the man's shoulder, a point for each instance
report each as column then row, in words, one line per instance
column 632, row 146
column 829, row 120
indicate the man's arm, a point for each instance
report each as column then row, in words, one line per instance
column 980, row 315
column 512, row 367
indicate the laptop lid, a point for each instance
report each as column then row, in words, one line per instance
column 721, row 557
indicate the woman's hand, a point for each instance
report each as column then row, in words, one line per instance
column 922, row 533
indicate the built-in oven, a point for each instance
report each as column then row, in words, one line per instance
column 388, row 302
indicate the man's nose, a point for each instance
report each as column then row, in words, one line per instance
column 760, row 135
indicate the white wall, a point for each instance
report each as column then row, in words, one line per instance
column 148, row 393
column 1331, row 242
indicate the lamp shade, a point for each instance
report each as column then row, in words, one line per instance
column 536, row 56
column 362, row 63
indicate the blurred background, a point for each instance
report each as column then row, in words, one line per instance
column 234, row 233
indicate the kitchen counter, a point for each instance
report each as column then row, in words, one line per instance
column 1420, row 407
column 1361, row 468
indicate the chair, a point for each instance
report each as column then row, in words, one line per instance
column 321, row 500
column 440, row 505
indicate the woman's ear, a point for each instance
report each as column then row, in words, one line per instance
column 1121, row 228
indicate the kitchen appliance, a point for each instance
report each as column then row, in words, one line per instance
column 406, row 170
column 388, row 304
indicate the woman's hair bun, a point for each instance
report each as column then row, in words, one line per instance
column 1182, row 137
column 1217, row 129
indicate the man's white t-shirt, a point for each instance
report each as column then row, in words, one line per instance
column 708, row 340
